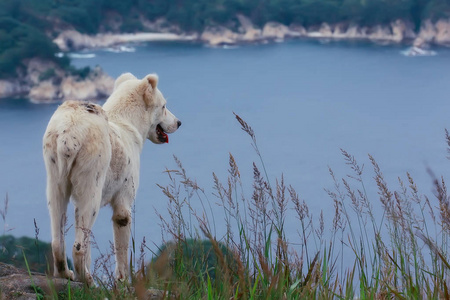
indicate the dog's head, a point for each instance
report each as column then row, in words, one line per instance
column 161, row 120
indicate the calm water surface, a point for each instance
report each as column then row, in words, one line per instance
column 304, row 101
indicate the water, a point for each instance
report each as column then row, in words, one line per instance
column 304, row 100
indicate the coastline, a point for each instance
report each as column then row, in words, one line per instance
column 398, row 32
column 71, row 40
column 60, row 86
column 98, row 85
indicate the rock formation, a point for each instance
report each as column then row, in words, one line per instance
column 219, row 35
column 97, row 85
column 18, row 284
column 275, row 31
column 44, row 81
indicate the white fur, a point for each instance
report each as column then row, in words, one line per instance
column 92, row 155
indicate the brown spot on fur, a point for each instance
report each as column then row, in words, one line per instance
column 53, row 160
column 94, row 213
column 91, row 108
column 122, row 222
column 60, row 266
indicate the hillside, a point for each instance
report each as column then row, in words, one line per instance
column 28, row 29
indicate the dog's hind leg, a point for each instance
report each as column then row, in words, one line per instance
column 58, row 194
column 86, row 210
column 122, row 230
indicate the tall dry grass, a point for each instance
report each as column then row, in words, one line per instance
column 404, row 253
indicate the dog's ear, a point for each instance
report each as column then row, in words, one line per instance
column 148, row 86
column 149, row 82
column 152, row 79
column 122, row 78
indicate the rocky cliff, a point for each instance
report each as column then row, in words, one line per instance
column 19, row 284
column 437, row 33
column 44, row 81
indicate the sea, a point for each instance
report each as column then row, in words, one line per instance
column 306, row 102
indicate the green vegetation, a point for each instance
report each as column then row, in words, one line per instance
column 195, row 256
column 12, row 251
column 19, row 41
column 87, row 15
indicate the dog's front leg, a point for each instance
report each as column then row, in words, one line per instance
column 122, row 231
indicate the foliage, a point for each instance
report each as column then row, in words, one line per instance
column 19, row 41
column 194, row 258
column 87, row 15
column 196, row 14
column 48, row 74
column 36, row 252
column 131, row 25
column 81, row 74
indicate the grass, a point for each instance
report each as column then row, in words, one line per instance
column 402, row 253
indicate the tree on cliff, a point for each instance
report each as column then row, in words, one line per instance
column 20, row 41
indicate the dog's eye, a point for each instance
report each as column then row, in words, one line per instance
column 164, row 106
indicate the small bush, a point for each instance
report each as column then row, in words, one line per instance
column 191, row 258
column 48, row 74
column 36, row 252
column 131, row 25
column 81, row 74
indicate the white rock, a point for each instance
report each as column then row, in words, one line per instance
column 274, row 30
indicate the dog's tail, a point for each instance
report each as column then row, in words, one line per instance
column 67, row 150
column 69, row 133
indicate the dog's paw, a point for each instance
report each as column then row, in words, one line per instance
column 122, row 277
column 89, row 280
column 66, row 274
column 70, row 275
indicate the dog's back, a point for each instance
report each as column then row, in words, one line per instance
column 76, row 131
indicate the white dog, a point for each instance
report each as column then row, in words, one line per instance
column 92, row 154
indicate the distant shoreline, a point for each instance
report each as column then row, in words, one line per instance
column 74, row 40
column 398, row 32
column 99, row 85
